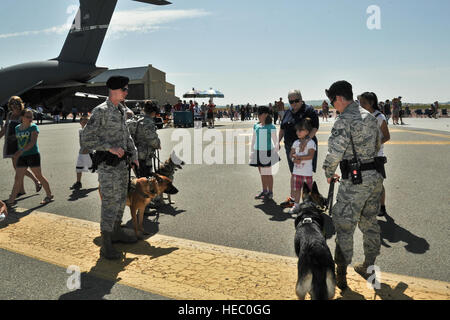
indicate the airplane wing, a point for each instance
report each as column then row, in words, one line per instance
column 89, row 95
column 101, row 97
column 63, row 84
column 19, row 92
column 156, row 2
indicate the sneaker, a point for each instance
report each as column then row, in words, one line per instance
column 76, row 186
column 289, row 203
column 268, row 196
column 260, row 195
column 294, row 209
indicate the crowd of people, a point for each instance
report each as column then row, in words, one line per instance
column 361, row 195
column 362, row 124
column 246, row 112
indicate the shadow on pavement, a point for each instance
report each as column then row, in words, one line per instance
column 392, row 232
column 271, row 208
column 94, row 288
column 82, row 193
column 169, row 210
column 14, row 216
column 151, row 227
column 98, row 282
column 384, row 293
column 349, row 294
column 397, row 293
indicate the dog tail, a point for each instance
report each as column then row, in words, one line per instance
column 323, row 283
column 324, row 279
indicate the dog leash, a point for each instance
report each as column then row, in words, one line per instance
column 330, row 196
column 156, row 156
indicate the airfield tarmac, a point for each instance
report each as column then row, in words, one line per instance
column 215, row 214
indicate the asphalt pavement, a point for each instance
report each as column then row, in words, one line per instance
column 216, row 202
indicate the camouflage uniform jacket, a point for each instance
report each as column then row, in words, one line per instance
column 366, row 138
column 143, row 131
column 106, row 129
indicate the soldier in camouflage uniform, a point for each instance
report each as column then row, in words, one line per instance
column 107, row 132
column 143, row 131
column 357, row 204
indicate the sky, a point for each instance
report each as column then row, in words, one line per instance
column 256, row 51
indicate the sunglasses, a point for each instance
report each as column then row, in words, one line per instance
column 332, row 101
column 294, row 101
column 28, row 117
column 124, row 89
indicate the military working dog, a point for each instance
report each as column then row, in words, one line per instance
column 316, row 270
column 141, row 192
column 168, row 169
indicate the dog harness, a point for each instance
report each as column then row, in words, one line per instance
column 307, row 221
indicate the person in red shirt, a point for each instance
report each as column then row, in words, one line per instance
column 178, row 106
column 210, row 115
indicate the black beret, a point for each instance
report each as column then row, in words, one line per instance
column 117, row 82
column 339, row 88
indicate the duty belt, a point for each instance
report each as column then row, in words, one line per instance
column 368, row 166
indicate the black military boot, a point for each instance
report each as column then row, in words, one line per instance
column 123, row 234
column 341, row 277
column 107, row 250
column 361, row 268
column 341, row 269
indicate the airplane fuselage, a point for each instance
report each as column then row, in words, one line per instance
column 43, row 74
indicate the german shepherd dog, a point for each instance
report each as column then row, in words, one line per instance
column 142, row 191
column 316, row 270
column 168, row 169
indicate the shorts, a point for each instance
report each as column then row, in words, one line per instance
column 84, row 163
column 299, row 180
column 31, row 161
column 264, row 158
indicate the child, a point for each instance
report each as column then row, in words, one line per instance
column 302, row 153
column 264, row 155
column 28, row 156
column 84, row 162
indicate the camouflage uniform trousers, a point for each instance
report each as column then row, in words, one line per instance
column 358, row 205
column 113, row 190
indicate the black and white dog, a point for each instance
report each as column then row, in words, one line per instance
column 316, row 270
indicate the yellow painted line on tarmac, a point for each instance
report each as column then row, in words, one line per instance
column 183, row 269
column 419, row 142
column 447, row 136
column 325, row 143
